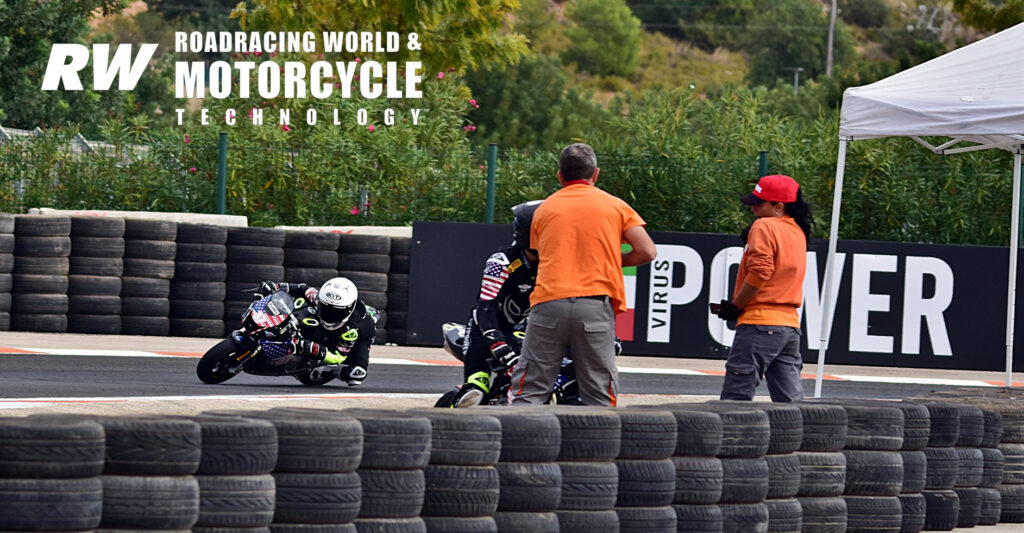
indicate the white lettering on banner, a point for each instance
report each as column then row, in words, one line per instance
column 719, row 289
column 863, row 302
column 916, row 306
column 664, row 291
column 814, row 298
column 103, row 69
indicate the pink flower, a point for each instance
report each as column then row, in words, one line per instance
column 356, row 77
column 403, row 207
column 472, row 101
column 257, row 53
column 250, row 111
column 354, row 211
column 193, row 169
column 285, row 128
column 370, row 128
column 472, row 128
column 320, row 56
column 187, row 139
column 440, row 75
column 270, row 206
column 451, row 69
column 244, row 53
column 358, row 60
column 272, row 54
column 366, row 205
column 337, row 84
column 482, row 167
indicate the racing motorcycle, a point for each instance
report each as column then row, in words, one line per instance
column 564, row 391
column 263, row 346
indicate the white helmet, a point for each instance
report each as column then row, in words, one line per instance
column 336, row 301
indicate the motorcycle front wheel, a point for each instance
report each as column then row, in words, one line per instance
column 221, row 362
column 306, row 378
column 447, row 398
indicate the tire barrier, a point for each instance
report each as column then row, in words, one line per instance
column 6, row 267
column 398, row 289
column 39, row 289
column 94, row 301
column 252, row 255
column 498, row 470
column 198, row 288
column 147, row 269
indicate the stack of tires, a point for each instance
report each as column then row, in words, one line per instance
column 942, row 505
column 462, row 483
column 1011, row 488
column 398, row 289
column 236, row 490
column 647, row 476
column 148, row 477
column 970, row 464
column 6, row 267
column 149, row 250
column 874, row 468
column 822, row 467
column 39, row 299
column 992, row 468
column 94, row 300
column 198, row 288
column 746, row 435
column 697, row 467
column 253, row 255
column 786, row 433
column 590, row 480
column 366, row 261
column 310, row 257
column 50, row 477
column 530, row 479
column 396, row 450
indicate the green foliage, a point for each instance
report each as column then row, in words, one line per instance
column 605, row 38
column 989, row 15
column 536, row 21
column 790, row 34
column 864, row 13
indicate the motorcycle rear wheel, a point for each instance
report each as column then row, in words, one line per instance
column 216, row 364
column 306, row 378
column 446, row 399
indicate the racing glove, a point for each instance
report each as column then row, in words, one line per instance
column 504, row 353
column 306, row 346
column 729, row 312
column 266, row 288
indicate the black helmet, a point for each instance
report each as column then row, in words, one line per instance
column 523, row 217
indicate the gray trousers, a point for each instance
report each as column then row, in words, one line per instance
column 586, row 326
column 769, row 351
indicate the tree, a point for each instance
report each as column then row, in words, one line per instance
column 864, row 13
column 790, row 34
column 988, row 15
column 605, row 39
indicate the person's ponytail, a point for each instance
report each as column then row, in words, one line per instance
column 801, row 213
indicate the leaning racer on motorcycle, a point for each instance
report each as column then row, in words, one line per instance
column 334, row 325
column 508, row 280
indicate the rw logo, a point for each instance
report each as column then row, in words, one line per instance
column 104, row 69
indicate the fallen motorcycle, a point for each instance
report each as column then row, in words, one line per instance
column 262, row 346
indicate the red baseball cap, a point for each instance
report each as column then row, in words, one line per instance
column 774, row 188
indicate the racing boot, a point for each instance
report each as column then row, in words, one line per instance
column 473, row 391
column 353, row 375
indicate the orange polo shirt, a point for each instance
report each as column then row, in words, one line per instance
column 774, row 261
column 577, row 232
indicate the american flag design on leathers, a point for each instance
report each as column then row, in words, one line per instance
column 495, row 274
column 264, row 319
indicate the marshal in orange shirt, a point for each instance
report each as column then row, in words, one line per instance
column 774, row 262
column 577, row 232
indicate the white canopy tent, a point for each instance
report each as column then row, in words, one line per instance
column 974, row 96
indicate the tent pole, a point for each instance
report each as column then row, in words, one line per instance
column 826, row 319
column 1011, row 293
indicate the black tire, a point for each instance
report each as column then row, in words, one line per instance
column 397, row 336
column 698, row 518
column 261, row 255
column 460, row 524
column 460, row 490
column 44, row 265
column 942, row 465
column 398, row 282
column 158, row 326
column 141, row 228
column 319, row 498
column 301, row 257
column 660, row 519
column 200, row 253
column 151, row 446
column 970, row 467
column 945, row 423
column 6, row 223
column 752, row 517
column 391, row 525
column 97, row 226
column 822, row 474
column 94, row 285
column 783, row 475
column 136, row 306
column 993, row 428
column 148, row 268
column 971, row 430
column 399, row 264
column 377, row 300
column 913, row 512
column 312, row 528
column 314, row 277
column 39, row 284
column 990, row 506
column 146, row 502
column 52, row 447
column 942, row 510
column 197, row 327
column 915, row 471
column 784, row 420
column 588, row 434
column 364, row 262
column 646, row 434
column 400, row 246
column 159, row 250
column 527, row 437
column 197, row 310
column 6, row 243
column 254, row 273
column 201, row 233
column 587, row 521
column 95, row 324
column 823, row 515
column 399, row 320
column 42, row 246
column 44, row 304
column 970, row 506
column 393, row 440
column 744, row 480
column 391, row 493
column 824, row 427
column 367, row 281
column 97, row 247
column 873, row 473
column 992, row 469
column 588, row 486
column 252, row 236
column 41, row 225
column 1013, row 461
column 236, row 501
column 50, row 504
column 145, row 287
column 364, row 244
column 699, row 432
column 460, row 438
column 398, row 300
column 646, row 483
column 236, row 446
column 337, row 437
column 311, row 240
column 96, row 305
column 199, row 291
column 745, row 430
column 200, row 272
column 215, row 365
column 307, row 379
column 874, row 513
column 7, row 263
column 91, row 266
column 784, row 515
column 873, row 427
column 515, row 522
column 529, row 487
column 1011, row 503
column 44, row 323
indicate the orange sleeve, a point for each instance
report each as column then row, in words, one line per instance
column 760, row 256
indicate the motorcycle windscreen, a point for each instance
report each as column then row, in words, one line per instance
column 272, row 310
